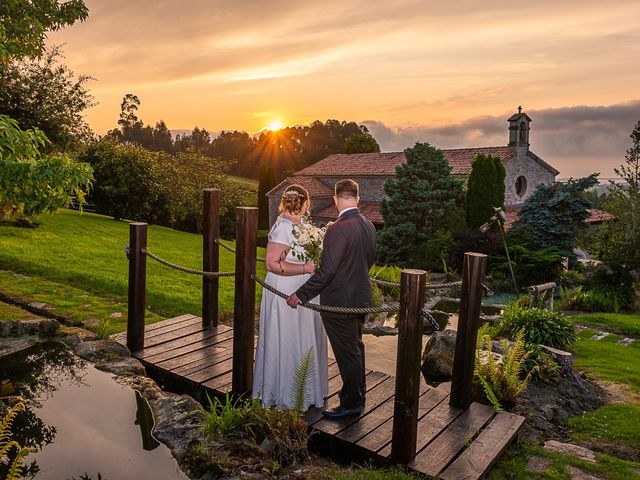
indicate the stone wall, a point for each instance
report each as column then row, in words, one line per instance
column 528, row 168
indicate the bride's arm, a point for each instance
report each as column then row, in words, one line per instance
column 274, row 261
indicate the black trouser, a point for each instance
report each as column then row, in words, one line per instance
column 345, row 335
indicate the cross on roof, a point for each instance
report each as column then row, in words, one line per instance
column 519, row 109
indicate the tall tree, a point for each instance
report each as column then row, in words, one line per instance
column 485, row 189
column 45, row 94
column 619, row 241
column 422, row 210
column 25, row 23
column 361, row 143
column 553, row 214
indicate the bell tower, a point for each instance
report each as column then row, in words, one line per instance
column 519, row 129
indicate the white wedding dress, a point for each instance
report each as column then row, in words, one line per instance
column 285, row 337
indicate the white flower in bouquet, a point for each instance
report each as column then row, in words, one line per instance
column 308, row 242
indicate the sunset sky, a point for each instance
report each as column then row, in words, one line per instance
column 450, row 73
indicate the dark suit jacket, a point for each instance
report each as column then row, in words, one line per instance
column 343, row 277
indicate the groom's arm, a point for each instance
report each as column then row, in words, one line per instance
column 335, row 247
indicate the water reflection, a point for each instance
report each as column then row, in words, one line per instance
column 80, row 422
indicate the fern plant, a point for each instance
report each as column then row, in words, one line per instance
column 14, row 465
column 502, row 381
column 305, row 373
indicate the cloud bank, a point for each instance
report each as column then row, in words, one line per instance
column 576, row 140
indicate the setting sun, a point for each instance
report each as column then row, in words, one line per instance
column 275, row 125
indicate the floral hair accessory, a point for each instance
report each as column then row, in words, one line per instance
column 291, row 192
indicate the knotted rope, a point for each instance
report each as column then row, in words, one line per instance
column 185, row 269
column 327, row 308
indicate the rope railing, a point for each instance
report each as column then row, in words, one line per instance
column 328, row 308
column 428, row 286
column 185, row 269
column 233, row 250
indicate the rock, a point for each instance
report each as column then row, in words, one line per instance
column 19, row 275
column 10, row 346
column 437, row 359
column 538, row 464
column 48, row 327
column 82, row 333
column 570, row 449
column 600, row 335
column 92, row 322
column 490, row 318
column 577, row 474
column 116, row 315
column 40, row 305
column 98, row 351
column 625, row 342
column 126, row 366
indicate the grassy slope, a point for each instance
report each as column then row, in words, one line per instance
column 86, row 250
column 9, row 312
column 250, row 183
column 623, row 323
column 607, row 360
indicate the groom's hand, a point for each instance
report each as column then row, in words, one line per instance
column 293, row 300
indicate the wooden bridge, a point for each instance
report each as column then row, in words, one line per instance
column 436, row 431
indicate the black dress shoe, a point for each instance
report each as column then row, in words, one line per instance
column 342, row 412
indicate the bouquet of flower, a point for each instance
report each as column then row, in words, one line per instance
column 308, row 242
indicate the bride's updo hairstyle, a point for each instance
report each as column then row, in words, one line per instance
column 293, row 199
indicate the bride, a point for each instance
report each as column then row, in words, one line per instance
column 286, row 335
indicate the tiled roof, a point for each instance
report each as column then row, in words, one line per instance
column 370, row 210
column 384, row 164
column 595, row 216
column 352, row 164
column 599, row 216
column 315, row 187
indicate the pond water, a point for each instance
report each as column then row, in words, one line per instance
column 82, row 423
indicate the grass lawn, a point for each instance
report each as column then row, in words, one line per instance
column 249, row 183
column 613, row 423
column 607, row 360
column 513, row 466
column 623, row 323
column 107, row 311
column 9, row 312
column 86, row 251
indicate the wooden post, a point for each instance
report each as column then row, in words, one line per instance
column 210, row 256
column 245, row 299
column 137, row 285
column 473, row 271
column 405, row 407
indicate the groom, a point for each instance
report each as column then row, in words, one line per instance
column 343, row 281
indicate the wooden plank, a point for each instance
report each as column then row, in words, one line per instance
column 204, row 362
column 186, row 355
column 333, row 400
column 209, row 360
column 193, row 320
column 179, row 332
column 433, row 459
column 176, row 323
column 367, row 423
column 375, row 396
column 183, row 345
column 381, row 436
column 220, row 381
column 168, row 322
column 476, row 460
column 211, row 372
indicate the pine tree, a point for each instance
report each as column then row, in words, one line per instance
column 485, row 189
column 423, row 205
column 552, row 215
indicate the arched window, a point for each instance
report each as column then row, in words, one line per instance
column 521, row 186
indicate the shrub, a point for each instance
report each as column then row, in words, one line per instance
column 541, row 365
column 531, row 267
column 387, row 273
column 12, row 454
column 588, row 300
column 502, row 381
column 541, row 326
